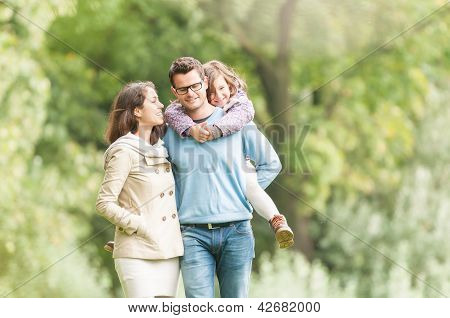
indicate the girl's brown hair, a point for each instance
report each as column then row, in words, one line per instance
column 122, row 119
column 214, row 69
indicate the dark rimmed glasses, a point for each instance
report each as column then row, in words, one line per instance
column 194, row 87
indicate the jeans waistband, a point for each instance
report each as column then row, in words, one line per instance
column 211, row 226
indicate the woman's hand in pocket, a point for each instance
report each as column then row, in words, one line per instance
column 143, row 232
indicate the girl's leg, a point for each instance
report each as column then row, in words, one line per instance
column 258, row 198
column 265, row 207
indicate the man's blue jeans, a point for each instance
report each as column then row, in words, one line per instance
column 227, row 251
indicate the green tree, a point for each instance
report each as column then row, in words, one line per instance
column 362, row 128
column 365, row 148
column 37, row 228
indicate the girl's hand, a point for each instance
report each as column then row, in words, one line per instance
column 214, row 132
column 199, row 132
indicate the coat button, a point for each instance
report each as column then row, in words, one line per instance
column 120, row 229
column 174, row 216
column 162, row 194
column 164, row 218
column 170, row 192
column 156, row 171
column 167, row 169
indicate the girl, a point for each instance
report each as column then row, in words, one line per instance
column 137, row 195
column 228, row 91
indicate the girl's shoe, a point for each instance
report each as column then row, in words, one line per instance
column 283, row 232
column 109, row 247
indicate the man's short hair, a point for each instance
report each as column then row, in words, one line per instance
column 184, row 65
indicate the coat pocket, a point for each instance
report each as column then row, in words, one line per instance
column 143, row 234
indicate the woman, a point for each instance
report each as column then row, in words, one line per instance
column 138, row 195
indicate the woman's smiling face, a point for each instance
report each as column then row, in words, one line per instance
column 150, row 114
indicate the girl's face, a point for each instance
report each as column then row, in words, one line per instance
column 151, row 112
column 222, row 92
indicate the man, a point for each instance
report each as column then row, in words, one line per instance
column 210, row 183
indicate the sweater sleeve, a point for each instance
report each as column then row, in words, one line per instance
column 239, row 112
column 177, row 118
column 259, row 149
column 117, row 167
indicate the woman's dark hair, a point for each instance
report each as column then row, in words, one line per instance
column 122, row 119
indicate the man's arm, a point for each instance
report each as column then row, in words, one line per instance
column 259, row 149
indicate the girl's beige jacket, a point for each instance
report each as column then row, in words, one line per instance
column 138, row 196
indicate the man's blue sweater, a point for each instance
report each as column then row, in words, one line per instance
column 210, row 177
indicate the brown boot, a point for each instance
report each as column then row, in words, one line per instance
column 109, row 247
column 283, row 232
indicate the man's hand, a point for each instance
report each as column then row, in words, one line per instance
column 200, row 132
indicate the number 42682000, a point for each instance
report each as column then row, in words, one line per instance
column 289, row 307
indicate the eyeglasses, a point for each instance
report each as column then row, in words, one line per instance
column 194, row 87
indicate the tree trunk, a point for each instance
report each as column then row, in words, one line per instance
column 276, row 89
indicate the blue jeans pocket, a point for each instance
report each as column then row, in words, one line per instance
column 243, row 228
column 184, row 229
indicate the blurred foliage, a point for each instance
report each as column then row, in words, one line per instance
column 413, row 236
column 38, row 222
column 376, row 154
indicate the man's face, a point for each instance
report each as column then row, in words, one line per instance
column 193, row 99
